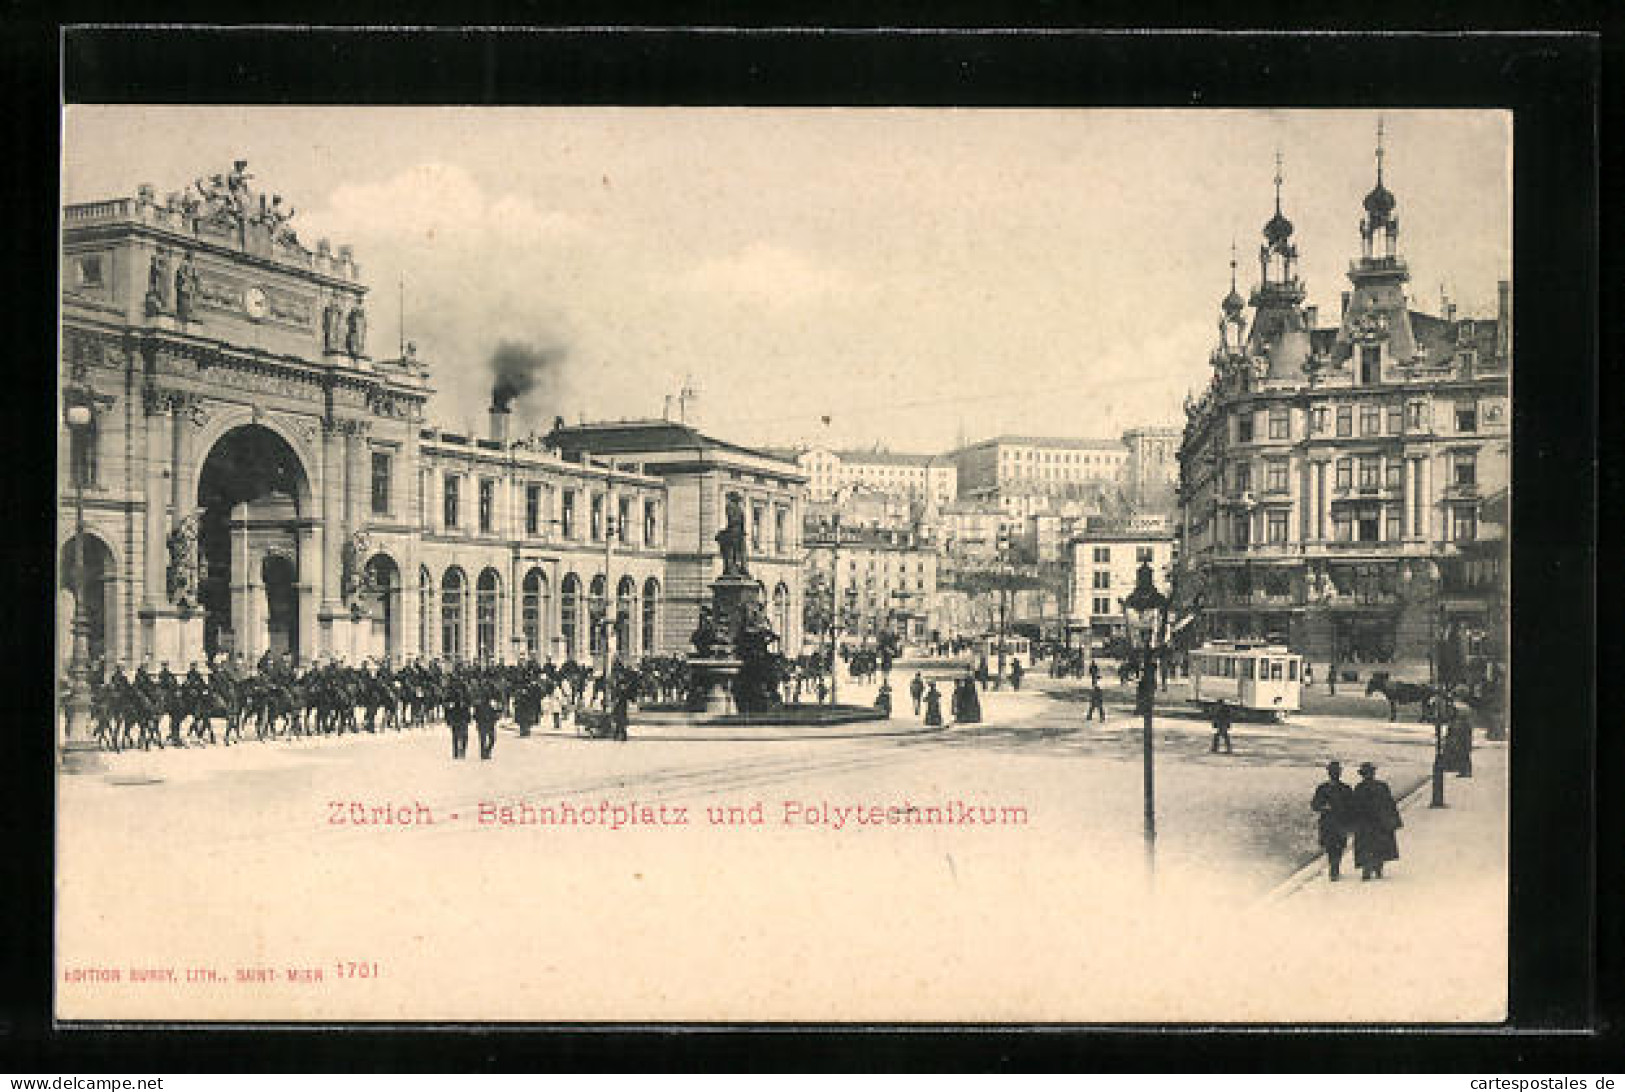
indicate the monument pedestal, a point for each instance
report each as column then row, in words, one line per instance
column 716, row 675
column 171, row 634
column 338, row 633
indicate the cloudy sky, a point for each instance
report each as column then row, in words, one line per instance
column 913, row 275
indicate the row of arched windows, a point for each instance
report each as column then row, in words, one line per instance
column 443, row 612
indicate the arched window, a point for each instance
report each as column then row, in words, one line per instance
column 425, row 612
column 596, row 595
column 626, row 614
column 570, row 615
column 487, row 601
column 533, row 613
column 453, row 589
column 651, row 616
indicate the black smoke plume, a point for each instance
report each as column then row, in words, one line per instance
column 519, row 369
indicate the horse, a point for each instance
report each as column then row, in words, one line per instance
column 1400, row 693
column 381, row 706
column 131, row 709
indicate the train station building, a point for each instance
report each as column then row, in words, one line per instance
column 251, row 476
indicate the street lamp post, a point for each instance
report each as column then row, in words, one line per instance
column 1435, row 677
column 78, row 416
column 834, row 601
column 1146, row 612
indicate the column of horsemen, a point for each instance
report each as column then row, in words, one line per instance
column 274, row 699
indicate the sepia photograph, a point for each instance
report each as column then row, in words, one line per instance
column 764, row 564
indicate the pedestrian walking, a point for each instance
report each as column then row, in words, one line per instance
column 1094, row 673
column 1097, row 700
column 916, row 690
column 1222, row 719
column 1016, row 671
column 933, row 706
column 1376, row 818
column 981, row 672
column 619, row 716
column 1333, row 802
column 883, row 700
column 486, row 712
column 457, row 715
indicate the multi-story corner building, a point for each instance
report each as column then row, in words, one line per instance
column 254, row 479
column 1344, row 487
column 920, row 478
column 884, row 579
column 1103, row 559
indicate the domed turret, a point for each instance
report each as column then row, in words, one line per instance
column 1278, row 229
column 1379, row 203
column 1379, row 221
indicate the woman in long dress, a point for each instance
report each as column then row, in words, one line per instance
column 933, row 706
column 1376, row 818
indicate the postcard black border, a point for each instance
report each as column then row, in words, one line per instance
column 1550, row 81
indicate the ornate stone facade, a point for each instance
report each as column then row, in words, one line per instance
column 253, row 480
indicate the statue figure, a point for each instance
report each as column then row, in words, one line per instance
column 705, row 634
column 356, row 341
column 158, row 283
column 731, row 539
column 237, row 188
column 182, row 575
column 353, row 580
column 186, row 289
column 332, row 326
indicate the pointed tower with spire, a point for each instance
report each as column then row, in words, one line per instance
column 1280, row 329
column 1231, row 314
column 1376, row 333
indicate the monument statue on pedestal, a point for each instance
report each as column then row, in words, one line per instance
column 731, row 539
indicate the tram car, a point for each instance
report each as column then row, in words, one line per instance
column 1015, row 647
column 1255, row 680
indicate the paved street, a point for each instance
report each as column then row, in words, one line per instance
column 225, row 860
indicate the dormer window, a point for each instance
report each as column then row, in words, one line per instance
column 1370, row 364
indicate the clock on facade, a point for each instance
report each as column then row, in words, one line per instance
column 254, row 302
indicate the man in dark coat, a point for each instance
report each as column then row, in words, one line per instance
column 1333, row 802
column 1222, row 719
column 1016, row 671
column 1097, row 700
column 916, row 690
column 487, row 709
column 1376, row 818
column 981, row 672
column 620, row 697
column 527, row 706
column 457, row 715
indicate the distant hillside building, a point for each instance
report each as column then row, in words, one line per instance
column 916, row 477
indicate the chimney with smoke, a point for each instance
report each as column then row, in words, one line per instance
column 519, row 370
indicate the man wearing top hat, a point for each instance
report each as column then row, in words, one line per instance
column 1333, row 802
column 1376, row 817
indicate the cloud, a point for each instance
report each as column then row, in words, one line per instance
column 439, row 204
column 765, row 274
